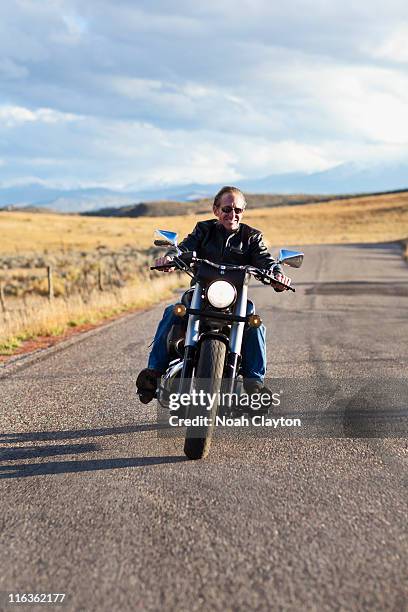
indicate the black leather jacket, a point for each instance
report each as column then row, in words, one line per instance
column 211, row 241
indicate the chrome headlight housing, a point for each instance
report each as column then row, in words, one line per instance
column 221, row 294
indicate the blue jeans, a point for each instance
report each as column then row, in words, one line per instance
column 253, row 363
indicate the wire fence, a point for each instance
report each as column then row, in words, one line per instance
column 78, row 274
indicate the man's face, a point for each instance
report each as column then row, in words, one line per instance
column 230, row 210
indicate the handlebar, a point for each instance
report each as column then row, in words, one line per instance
column 166, row 267
column 262, row 275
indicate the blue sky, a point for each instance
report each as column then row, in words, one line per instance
column 128, row 94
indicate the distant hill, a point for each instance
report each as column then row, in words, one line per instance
column 164, row 208
column 63, row 200
column 30, row 209
column 347, row 179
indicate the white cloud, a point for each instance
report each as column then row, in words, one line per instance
column 10, row 116
column 142, row 92
column 260, row 155
column 395, row 45
column 350, row 102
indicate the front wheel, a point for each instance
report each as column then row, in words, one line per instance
column 209, row 372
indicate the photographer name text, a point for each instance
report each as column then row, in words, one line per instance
column 242, row 421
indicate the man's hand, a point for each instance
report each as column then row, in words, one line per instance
column 281, row 278
column 162, row 261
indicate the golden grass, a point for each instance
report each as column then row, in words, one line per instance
column 43, row 318
column 357, row 220
column 363, row 219
column 23, row 272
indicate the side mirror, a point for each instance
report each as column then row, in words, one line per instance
column 166, row 238
column 291, row 258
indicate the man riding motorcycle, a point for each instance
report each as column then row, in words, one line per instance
column 224, row 240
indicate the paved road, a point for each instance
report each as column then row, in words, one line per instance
column 96, row 505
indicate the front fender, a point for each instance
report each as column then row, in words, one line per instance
column 213, row 334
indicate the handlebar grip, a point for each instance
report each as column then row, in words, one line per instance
column 169, row 265
column 283, row 285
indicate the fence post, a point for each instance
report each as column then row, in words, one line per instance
column 100, row 277
column 50, row 285
column 2, row 300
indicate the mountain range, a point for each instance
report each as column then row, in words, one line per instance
column 348, row 178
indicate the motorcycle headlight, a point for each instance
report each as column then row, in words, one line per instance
column 221, row 294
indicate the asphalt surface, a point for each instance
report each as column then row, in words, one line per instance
column 97, row 505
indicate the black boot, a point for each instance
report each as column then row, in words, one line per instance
column 147, row 383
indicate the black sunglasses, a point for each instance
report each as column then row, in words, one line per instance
column 228, row 209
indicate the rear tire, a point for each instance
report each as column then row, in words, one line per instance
column 210, row 368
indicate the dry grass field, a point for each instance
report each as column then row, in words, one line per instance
column 365, row 219
column 77, row 245
column 358, row 220
column 40, row 317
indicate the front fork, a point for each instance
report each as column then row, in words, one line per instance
column 190, row 343
column 235, row 342
column 234, row 347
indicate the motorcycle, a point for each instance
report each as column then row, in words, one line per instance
column 206, row 343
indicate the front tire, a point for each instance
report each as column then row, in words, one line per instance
column 210, row 369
